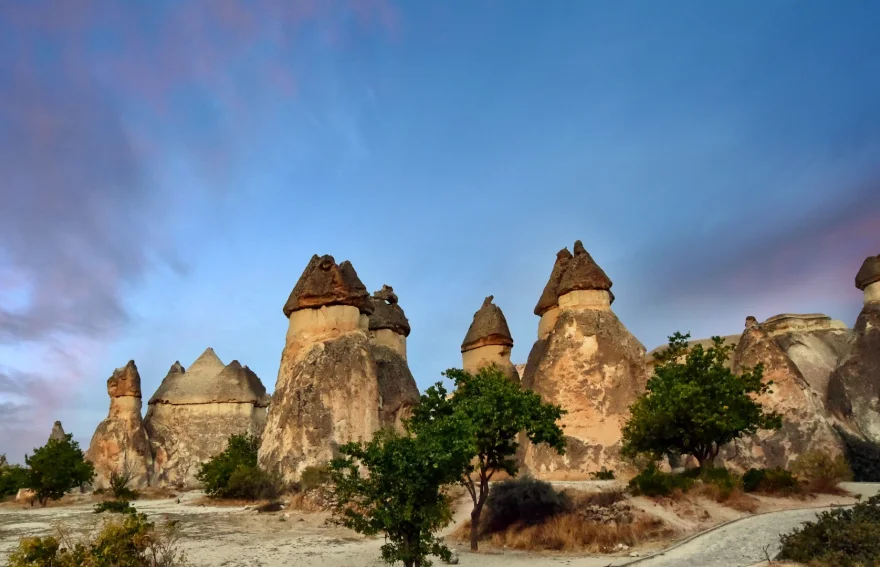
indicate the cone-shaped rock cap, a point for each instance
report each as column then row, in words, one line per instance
column 126, row 381
column 324, row 282
column 550, row 296
column 208, row 381
column 869, row 272
column 387, row 313
column 489, row 327
column 583, row 273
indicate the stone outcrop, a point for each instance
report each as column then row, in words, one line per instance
column 854, row 386
column 120, row 443
column 488, row 341
column 389, row 328
column 3, row 462
column 194, row 411
column 587, row 361
column 805, row 423
column 57, row 432
column 327, row 391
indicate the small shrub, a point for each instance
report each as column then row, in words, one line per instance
column 234, row 472
column 313, row 477
column 524, row 501
column 771, row 481
column 12, row 478
column 838, row 538
column 603, row 474
column 115, row 506
column 821, row 472
column 654, row 482
column 273, row 506
column 252, row 483
column 119, row 486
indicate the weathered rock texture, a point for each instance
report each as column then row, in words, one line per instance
column 120, row 442
column 193, row 413
column 587, row 361
column 854, row 386
column 57, row 432
column 389, row 328
column 805, row 423
column 488, row 341
column 328, row 391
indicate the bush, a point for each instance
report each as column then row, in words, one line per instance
column 115, row 506
column 119, row 486
column 234, row 472
column 252, row 483
column 863, row 457
column 603, row 474
column 724, row 481
column 654, row 482
column 12, row 478
column 821, row 472
column 56, row 467
column 313, row 477
column 838, row 538
column 770, row 481
column 131, row 541
column 523, row 501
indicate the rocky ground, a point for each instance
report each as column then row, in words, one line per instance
column 239, row 536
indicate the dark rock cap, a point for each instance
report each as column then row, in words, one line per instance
column 324, row 282
column 869, row 272
column 125, row 381
column 489, row 327
column 751, row 322
column 387, row 313
column 550, row 296
column 583, row 273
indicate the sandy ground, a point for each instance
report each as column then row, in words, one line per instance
column 236, row 536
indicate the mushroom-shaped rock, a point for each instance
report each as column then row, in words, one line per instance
column 324, row 283
column 868, row 279
column 120, row 444
column 550, row 296
column 488, row 341
column 583, row 273
column 57, row 432
column 387, row 313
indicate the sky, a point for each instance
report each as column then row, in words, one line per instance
column 168, row 168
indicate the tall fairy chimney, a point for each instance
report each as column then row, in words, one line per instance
column 488, row 341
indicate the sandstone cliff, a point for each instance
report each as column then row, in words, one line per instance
column 193, row 413
column 488, row 341
column 120, row 442
column 587, row 361
column 327, row 391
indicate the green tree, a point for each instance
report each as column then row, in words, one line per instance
column 56, row 467
column 694, row 404
column 401, row 494
column 496, row 411
column 12, row 478
column 234, row 473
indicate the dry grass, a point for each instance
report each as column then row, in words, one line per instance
column 582, row 499
column 157, row 493
column 736, row 498
column 309, row 501
column 228, row 502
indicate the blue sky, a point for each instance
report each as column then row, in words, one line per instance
column 170, row 167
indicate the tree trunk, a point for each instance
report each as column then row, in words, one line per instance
column 475, row 527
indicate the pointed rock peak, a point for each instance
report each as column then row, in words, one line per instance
column 235, row 365
column 176, row 368
column 324, row 283
column 549, row 297
column 387, row 313
column 489, row 327
column 869, row 272
column 751, row 322
column 583, row 273
column 208, row 361
column 57, row 432
column 125, row 381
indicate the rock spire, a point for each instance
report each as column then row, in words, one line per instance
column 57, row 432
column 488, row 341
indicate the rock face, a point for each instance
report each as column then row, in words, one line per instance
column 57, row 432
column 587, row 361
column 389, row 328
column 120, row 442
column 488, row 341
column 327, row 392
column 3, row 462
column 806, row 425
column 854, row 386
column 193, row 413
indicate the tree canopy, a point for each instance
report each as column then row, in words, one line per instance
column 56, row 467
column 694, row 404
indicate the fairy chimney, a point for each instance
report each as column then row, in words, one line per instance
column 868, row 279
column 585, row 360
column 389, row 328
column 488, row 341
column 120, row 443
column 327, row 391
column 57, row 432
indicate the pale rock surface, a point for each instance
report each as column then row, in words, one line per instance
column 57, row 432
column 3, row 462
column 587, row 361
column 120, row 442
column 193, row 413
column 327, row 392
column 488, row 341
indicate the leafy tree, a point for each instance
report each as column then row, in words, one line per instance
column 234, row 473
column 56, row 467
column 401, row 493
column 496, row 411
column 12, row 478
column 694, row 405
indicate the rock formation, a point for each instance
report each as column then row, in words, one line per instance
column 854, row 386
column 57, row 432
column 193, row 413
column 3, row 462
column 327, row 392
column 805, row 422
column 120, row 442
column 488, row 341
column 389, row 328
column 586, row 361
